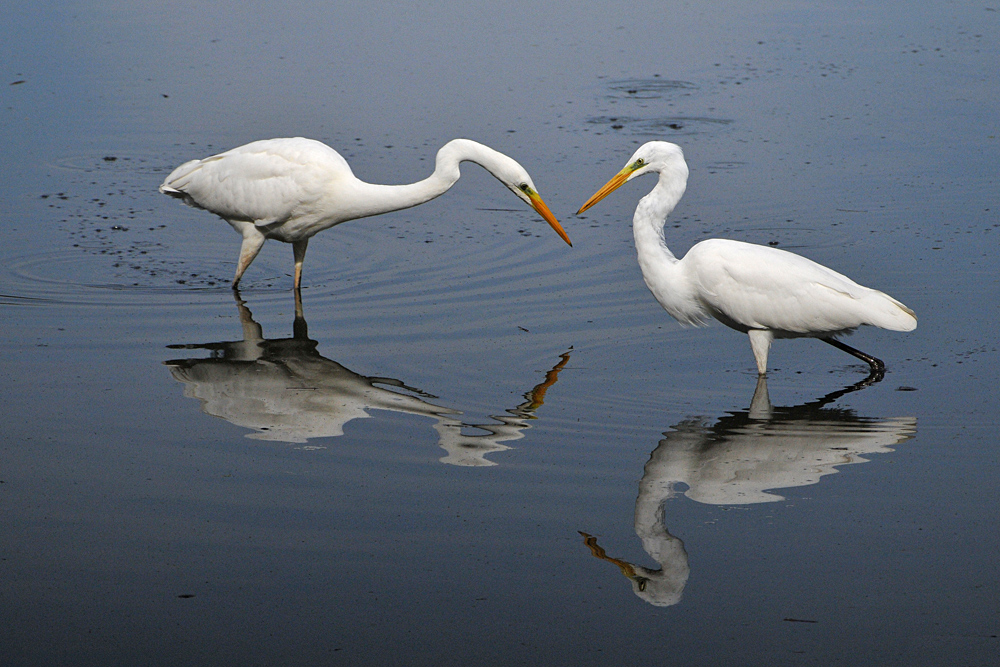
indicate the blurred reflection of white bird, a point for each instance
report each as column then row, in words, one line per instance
column 764, row 292
column 738, row 460
column 743, row 456
column 470, row 449
column 286, row 391
column 291, row 189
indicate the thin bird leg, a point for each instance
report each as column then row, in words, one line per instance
column 253, row 241
column 299, row 250
column 876, row 364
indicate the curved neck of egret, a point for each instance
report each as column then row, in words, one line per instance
column 374, row 199
column 651, row 214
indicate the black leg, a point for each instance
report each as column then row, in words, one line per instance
column 878, row 368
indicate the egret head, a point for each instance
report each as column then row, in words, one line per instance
column 662, row 157
column 504, row 168
column 517, row 180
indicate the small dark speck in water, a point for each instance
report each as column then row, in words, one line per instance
column 110, row 158
column 186, row 596
column 905, row 388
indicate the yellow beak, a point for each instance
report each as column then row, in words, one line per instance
column 608, row 188
column 543, row 210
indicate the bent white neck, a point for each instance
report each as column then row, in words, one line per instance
column 661, row 270
column 651, row 215
column 374, row 199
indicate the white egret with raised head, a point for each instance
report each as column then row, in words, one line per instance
column 762, row 291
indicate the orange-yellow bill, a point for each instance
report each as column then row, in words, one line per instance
column 543, row 210
column 608, row 188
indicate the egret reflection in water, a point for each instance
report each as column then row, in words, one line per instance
column 286, row 391
column 737, row 460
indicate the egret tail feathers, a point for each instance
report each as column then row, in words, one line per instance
column 895, row 316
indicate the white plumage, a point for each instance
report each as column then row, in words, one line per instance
column 291, row 189
column 764, row 292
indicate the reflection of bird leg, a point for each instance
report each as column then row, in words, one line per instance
column 876, row 364
column 627, row 568
column 760, row 404
column 251, row 330
column 873, row 377
column 300, row 330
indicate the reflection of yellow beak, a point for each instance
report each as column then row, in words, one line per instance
column 536, row 396
column 627, row 568
column 608, row 188
column 543, row 210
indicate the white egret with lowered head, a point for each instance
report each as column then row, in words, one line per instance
column 291, row 189
column 764, row 292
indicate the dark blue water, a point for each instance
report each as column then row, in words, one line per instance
column 479, row 446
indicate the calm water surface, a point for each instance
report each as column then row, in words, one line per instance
column 476, row 445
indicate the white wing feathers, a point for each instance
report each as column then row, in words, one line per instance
column 761, row 287
column 264, row 182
